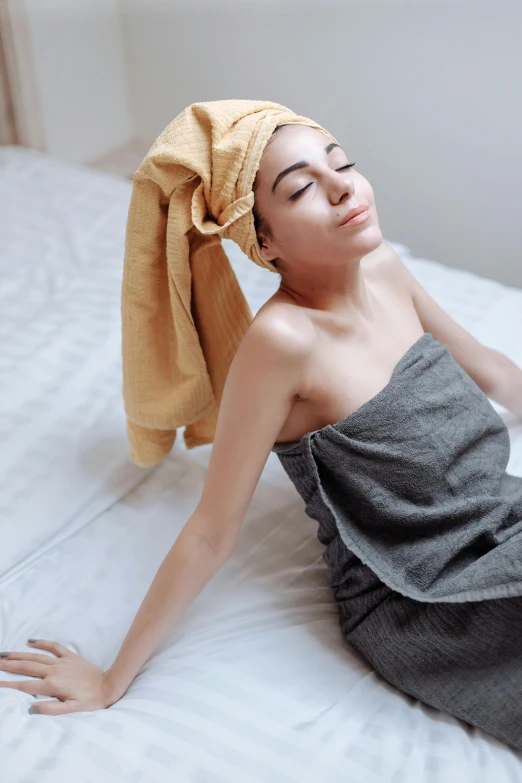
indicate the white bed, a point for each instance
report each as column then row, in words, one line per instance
column 255, row 683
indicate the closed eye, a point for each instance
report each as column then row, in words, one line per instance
column 298, row 193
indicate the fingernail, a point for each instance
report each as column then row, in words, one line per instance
column 34, row 708
column 4, row 655
column 31, row 640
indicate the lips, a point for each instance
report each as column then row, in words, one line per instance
column 352, row 213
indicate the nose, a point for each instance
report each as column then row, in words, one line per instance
column 342, row 187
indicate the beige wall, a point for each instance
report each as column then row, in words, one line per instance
column 423, row 94
column 8, row 129
column 7, row 124
column 72, row 98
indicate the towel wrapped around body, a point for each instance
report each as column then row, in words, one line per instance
column 423, row 532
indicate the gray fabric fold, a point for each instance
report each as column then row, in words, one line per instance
column 421, row 525
column 416, row 482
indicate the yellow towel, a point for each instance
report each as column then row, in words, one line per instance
column 183, row 311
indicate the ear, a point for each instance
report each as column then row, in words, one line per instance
column 266, row 250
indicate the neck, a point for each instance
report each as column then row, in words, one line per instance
column 336, row 290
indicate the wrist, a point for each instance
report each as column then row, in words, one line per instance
column 113, row 690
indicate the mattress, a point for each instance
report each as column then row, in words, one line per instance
column 255, row 683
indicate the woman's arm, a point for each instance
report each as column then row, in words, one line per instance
column 506, row 386
column 184, row 572
column 258, row 396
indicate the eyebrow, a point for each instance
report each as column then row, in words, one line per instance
column 301, row 164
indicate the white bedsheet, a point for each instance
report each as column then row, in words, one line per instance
column 255, row 683
column 63, row 456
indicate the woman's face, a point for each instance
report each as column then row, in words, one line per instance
column 305, row 226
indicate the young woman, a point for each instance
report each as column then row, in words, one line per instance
column 376, row 402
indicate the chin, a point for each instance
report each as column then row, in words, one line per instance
column 367, row 240
column 376, row 237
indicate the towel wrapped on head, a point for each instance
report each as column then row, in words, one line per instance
column 183, row 311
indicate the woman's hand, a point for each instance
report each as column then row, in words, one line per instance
column 81, row 686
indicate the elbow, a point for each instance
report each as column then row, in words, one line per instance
column 207, row 537
column 497, row 374
column 221, row 548
column 489, row 372
column 505, row 385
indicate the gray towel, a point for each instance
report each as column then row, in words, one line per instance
column 416, row 481
column 423, row 533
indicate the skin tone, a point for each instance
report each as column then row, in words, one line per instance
column 321, row 261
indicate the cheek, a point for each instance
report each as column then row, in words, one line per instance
column 365, row 190
column 307, row 234
column 302, row 226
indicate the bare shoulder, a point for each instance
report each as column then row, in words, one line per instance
column 283, row 328
column 388, row 264
column 259, row 393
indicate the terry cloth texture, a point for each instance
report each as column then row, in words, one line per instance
column 423, row 533
column 183, row 311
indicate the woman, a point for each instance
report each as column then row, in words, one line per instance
column 353, row 357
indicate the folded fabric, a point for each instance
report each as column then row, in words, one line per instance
column 183, row 311
column 422, row 527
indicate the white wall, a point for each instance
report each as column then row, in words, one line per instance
column 423, row 94
column 73, row 85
